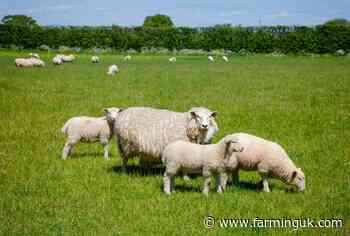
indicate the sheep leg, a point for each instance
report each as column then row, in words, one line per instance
column 167, row 183
column 235, row 177
column 172, row 184
column 265, row 184
column 105, row 147
column 219, row 186
column 67, row 149
column 207, row 180
column 223, row 180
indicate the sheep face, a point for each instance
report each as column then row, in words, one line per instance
column 202, row 117
column 112, row 113
column 298, row 179
column 232, row 145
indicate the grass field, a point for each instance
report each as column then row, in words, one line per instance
column 300, row 102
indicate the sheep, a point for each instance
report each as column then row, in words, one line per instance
column 28, row 62
column 57, row 60
column 269, row 159
column 112, row 70
column 127, row 58
column 67, row 58
column 24, row 62
column 146, row 131
column 95, row 59
column 34, row 55
column 225, row 58
column 210, row 58
column 172, row 59
column 90, row 129
column 187, row 157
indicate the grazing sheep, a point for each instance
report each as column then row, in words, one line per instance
column 95, row 59
column 146, row 131
column 112, row 70
column 266, row 157
column 90, row 129
column 225, row 58
column 28, row 62
column 34, row 55
column 172, row 59
column 210, row 58
column 186, row 157
column 57, row 60
column 127, row 58
column 67, row 58
column 24, row 62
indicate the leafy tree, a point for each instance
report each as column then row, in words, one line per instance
column 337, row 22
column 19, row 20
column 158, row 21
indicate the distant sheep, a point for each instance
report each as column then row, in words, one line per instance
column 210, row 58
column 89, row 129
column 225, row 58
column 266, row 157
column 186, row 157
column 29, row 62
column 112, row 70
column 127, row 58
column 57, row 60
column 67, row 58
column 95, row 59
column 146, row 131
column 172, row 59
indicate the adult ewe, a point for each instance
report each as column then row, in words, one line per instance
column 90, row 129
column 57, row 60
column 186, row 157
column 146, row 131
column 266, row 157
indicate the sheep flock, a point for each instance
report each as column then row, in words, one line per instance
column 178, row 141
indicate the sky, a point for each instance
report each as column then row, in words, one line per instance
column 182, row 12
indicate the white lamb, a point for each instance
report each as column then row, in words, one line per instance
column 112, row 70
column 127, row 58
column 28, row 62
column 225, row 58
column 187, row 157
column 95, row 59
column 34, row 55
column 57, row 60
column 210, row 58
column 172, row 59
column 90, row 129
column 266, row 157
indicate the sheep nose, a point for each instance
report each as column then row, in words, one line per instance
column 204, row 126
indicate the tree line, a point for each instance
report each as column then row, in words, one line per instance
column 326, row 38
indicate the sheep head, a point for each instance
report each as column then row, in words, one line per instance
column 112, row 113
column 298, row 179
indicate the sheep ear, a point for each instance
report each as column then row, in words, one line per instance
column 214, row 114
column 294, row 174
column 121, row 109
column 105, row 110
column 193, row 114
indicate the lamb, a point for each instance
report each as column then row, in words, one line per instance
column 146, row 131
column 210, row 58
column 112, row 70
column 183, row 156
column 67, row 58
column 95, row 59
column 57, row 60
column 127, row 58
column 172, row 59
column 225, row 58
column 266, row 157
column 34, row 55
column 90, row 129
